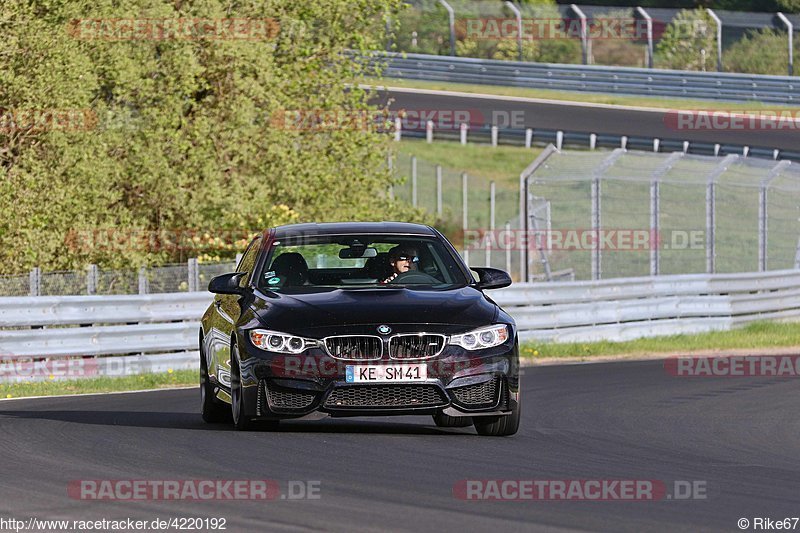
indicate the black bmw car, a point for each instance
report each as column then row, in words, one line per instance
column 358, row 319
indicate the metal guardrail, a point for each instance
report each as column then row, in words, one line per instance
column 624, row 309
column 592, row 78
column 565, row 311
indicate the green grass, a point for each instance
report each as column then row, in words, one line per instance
column 177, row 378
column 756, row 336
column 575, row 96
column 501, row 163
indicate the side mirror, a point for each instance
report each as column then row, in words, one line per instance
column 492, row 278
column 227, row 283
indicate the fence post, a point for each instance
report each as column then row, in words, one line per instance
column 398, row 129
column 655, row 211
column 508, row 249
column 790, row 29
column 143, row 284
column 194, row 280
column 711, row 214
column 649, row 20
column 439, row 191
column 596, row 255
column 465, row 218
column 718, row 22
column 91, row 279
column 518, row 16
column 414, row 181
column 35, row 282
column 491, row 224
column 451, row 14
column 763, row 213
column 586, row 50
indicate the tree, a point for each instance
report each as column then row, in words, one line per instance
column 689, row 42
column 182, row 133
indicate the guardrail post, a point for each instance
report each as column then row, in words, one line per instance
column 491, row 224
column 414, row 181
column 144, row 286
column 35, row 282
column 718, row 22
column 91, row 279
column 586, row 50
column 649, row 21
column 685, row 146
column 463, row 133
column 439, row 191
column 790, row 29
column 494, row 136
column 559, row 139
column 656, row 144
column 518, row 15
column 465, row 217
column 451, row 15
column 528, row 138
column 623, row 142
column 429, row 131
column 592, row 141
column 193, row 276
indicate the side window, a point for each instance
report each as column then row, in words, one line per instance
column 248, row 261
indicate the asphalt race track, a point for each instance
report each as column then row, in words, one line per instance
column 591, row 118
column 737, row 436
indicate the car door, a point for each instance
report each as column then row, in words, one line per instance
column 226, row 312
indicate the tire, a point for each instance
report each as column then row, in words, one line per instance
column 212, row 410
column 240, row 421
column 446, row 421
column 498, row 426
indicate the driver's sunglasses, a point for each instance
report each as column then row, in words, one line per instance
column 413, row 259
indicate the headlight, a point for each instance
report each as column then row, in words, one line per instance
column 481, row 338
column 274, row 341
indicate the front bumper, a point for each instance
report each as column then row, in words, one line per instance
column 459, row 383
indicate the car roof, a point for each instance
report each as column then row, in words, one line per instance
column 345, row 228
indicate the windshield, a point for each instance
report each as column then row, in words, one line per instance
column 359, row 261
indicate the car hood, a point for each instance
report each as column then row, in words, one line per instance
column 333, row 311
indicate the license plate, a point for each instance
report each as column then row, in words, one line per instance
column 385, row 373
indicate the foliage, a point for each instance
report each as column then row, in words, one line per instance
column 181, row 133
column 760, row 52
column 688, row 42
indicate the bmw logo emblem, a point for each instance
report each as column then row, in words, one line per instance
column 384, row 329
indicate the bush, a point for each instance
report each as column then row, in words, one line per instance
column 688, row 42
column 180, row 134
column 759, row 52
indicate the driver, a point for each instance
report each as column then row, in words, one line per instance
column 402, row 259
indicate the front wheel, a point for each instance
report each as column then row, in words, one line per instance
column 212, row 410
column 446, row 421
column 499, row 426
column 241, row 422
